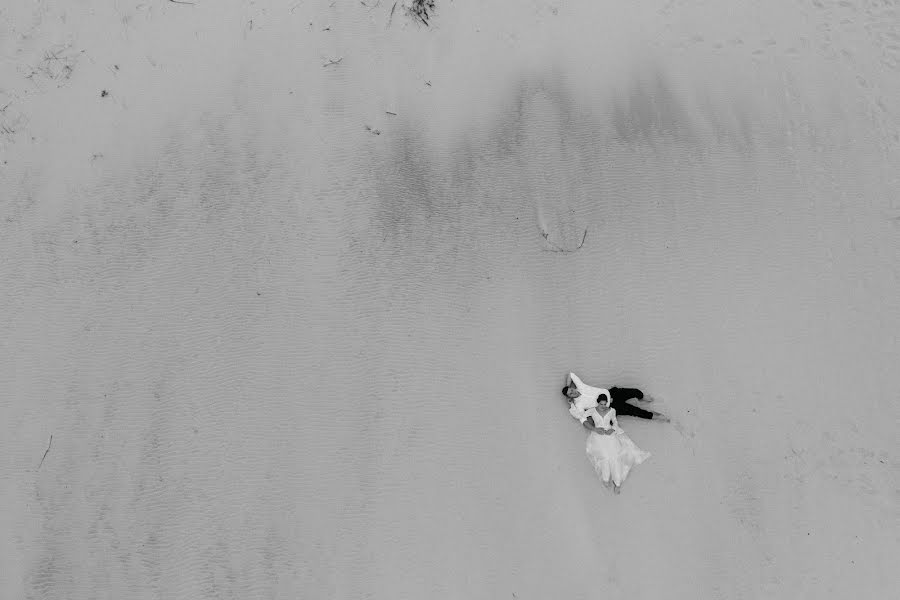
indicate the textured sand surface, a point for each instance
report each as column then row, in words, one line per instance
column 290, row 345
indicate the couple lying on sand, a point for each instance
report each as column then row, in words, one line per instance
column 610, row 450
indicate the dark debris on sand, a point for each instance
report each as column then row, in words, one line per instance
column 421, row 10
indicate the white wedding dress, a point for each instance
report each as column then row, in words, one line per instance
column 612, row 455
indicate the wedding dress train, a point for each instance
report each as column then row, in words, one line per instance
column 612, row 456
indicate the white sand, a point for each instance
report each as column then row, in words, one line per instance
column 281, row 356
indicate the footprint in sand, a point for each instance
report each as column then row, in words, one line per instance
column 682, row 429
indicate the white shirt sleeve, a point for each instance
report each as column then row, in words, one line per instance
column 578, row 383
column 577, row 413
column 589, row 393
column 592, row 412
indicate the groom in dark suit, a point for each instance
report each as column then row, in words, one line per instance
column 619, row 397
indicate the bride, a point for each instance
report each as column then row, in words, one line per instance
column 610, row 450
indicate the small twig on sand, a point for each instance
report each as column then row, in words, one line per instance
column 181, row 2
column 332, row 61
column 391, row 17
column 546, row 237
column 46, row 451
column 555, row 248
column 393, row 114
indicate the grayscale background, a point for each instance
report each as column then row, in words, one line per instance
column 294, row 287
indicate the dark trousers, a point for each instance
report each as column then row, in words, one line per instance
column 619, row 402
column 620, row 396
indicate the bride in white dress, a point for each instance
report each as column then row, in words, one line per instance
column 610, row 450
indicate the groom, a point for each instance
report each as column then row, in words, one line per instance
column 583, row 397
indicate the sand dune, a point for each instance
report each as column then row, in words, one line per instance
column 295, row 297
